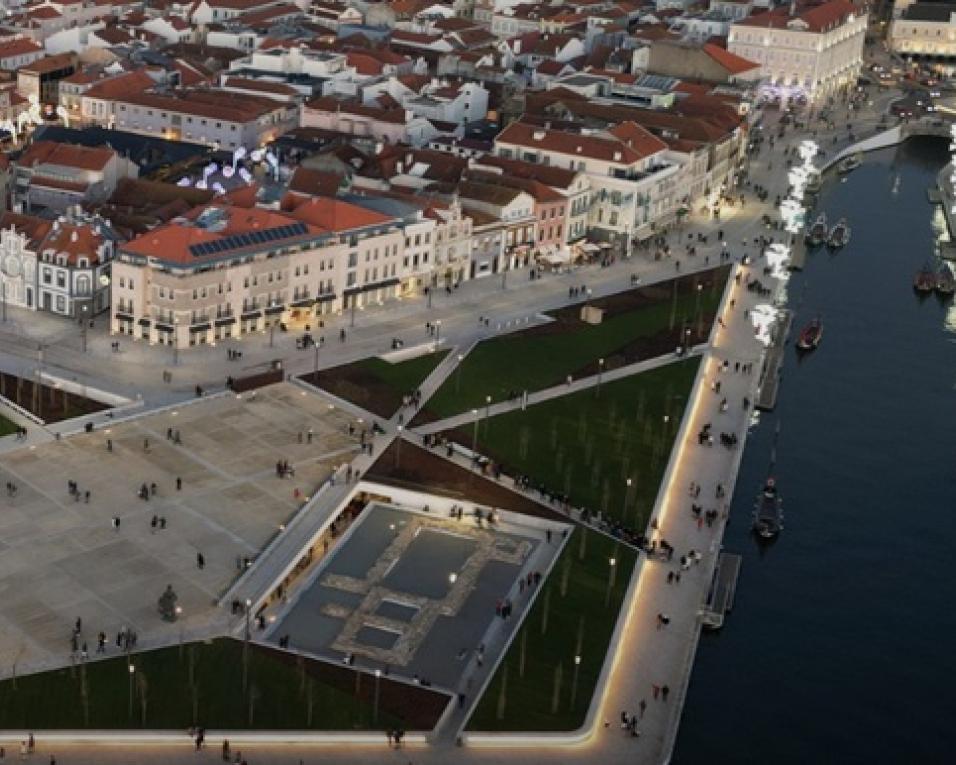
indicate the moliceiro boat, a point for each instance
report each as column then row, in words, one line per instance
column 945, row 281
column 768, row 511
column 810, row 335
column 925, row 280
column 839, row 235
column 817, row 234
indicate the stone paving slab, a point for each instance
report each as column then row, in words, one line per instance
column 61, row 559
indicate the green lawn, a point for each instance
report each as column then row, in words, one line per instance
column 541, row 359
column 277, row 695
column 375, row 384
column 587, row 445
column 572, row 616
column 7, row 427
column 405, row 376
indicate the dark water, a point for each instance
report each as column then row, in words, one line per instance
column 841, row 646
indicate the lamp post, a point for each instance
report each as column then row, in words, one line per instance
column 179, row 613
column 175, row 341
column 461, row 357
column 315, row 364
column 132, row 671
column 487, row 407
column 83, row 310
column 354, row 301
column 574, row 680
column 474, row 439
column 398, row 446
column 627, row 490
column 429, row 291
column 587, row 302
column 272, row 333
column 610, row 580
column 504, row 279
column 378, row 678
column 600, row 372
column 437, row 333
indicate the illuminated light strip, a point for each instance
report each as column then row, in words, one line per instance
column 153, row 738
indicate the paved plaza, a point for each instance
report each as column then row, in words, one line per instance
column 412, row 591
column 61, row 557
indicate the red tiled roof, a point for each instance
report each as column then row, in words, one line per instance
column 65, row 155
column 733, row 63
column 29, row 225
column 363, row 63
column 638, row 144
column 18, row 47
column 75, row 242
column 262, row 86
column 819, row 17
column 331, row 105
column 314, row 182
column 171, row 242
column 336, row 215
column 121, row 86
column 50, row 63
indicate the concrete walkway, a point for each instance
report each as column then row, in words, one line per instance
column 647, row 656
column 557, row 391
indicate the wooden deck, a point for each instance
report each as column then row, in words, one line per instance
column 720, row 599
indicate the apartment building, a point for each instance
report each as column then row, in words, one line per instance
column 633, row 184
column 223, row 272
column 925, row 30
column 806, row 50
column 57, row 176
column 211, row 117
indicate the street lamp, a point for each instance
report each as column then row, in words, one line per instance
column 461, row 357
column 627, row 490
column 315, row 365
column 248, row 615
column 610, row 580
column 574, row 681
column 83, row 310
column 437, row 333
column 132, row 671
column 175, row 341
column 600, row 372
column 398, row 446
column 453, row 577
column 354, row 301
column 487, row 406
column 474, row 439
column 378, row 678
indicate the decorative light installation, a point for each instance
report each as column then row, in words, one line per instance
column 952, row 165
column 794, row 215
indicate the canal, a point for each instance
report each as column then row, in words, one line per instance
column 840, row 648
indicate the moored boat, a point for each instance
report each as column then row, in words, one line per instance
column 925, row 280
column 849, row 164
column 810, row 335
column 945, row 281
column 768, row 511
column 817, row 234
column 839, row 235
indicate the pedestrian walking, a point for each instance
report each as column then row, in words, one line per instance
column 179, row 484
column 200, row 561
column 656, row 690
column 664, row 691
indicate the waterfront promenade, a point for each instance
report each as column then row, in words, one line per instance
column 645, row 655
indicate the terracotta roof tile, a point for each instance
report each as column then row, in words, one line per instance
column 65, row 155
column 733, row 63
column 336, row 215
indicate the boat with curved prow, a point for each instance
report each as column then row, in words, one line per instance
column 945, row 281
column 839, row 235
column 817, row 233
column 810, row 335
column 768, row 511
column 925, row 280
